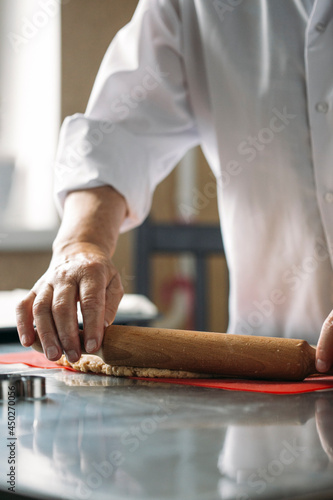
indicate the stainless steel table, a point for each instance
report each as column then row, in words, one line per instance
column 97, row 437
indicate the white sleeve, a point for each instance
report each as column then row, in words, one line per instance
column 138, row 122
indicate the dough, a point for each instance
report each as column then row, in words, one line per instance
column 85, row 380
column 92, row 363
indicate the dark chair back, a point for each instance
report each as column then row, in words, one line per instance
column 198, row 239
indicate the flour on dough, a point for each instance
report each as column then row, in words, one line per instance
column 92, row 363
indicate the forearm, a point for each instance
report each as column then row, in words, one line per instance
column 91, row 216
column 81, row 270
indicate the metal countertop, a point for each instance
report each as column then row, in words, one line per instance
column 107, row 438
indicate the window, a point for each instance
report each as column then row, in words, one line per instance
column 29, row 114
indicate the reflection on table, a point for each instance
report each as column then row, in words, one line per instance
column 102, row 437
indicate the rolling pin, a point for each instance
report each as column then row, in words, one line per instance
column 221, row 354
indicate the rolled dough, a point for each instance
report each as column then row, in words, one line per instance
column 92, row 363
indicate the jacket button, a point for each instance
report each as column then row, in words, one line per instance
column 320, row 27
column 322, row 107
column 329, row 197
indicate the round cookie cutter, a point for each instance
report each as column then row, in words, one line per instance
column 33, row 387
column 21, row 386
column 11, row 386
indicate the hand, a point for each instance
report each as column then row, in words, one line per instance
column 79, row 272
column 324, row 356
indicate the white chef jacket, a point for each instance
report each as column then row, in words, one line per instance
column 251, row 81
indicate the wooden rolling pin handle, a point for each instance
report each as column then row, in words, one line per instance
column 310, row 359
column 226, row 355
column 213, row 353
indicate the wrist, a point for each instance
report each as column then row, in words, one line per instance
column 74, row 246
column 92, row 218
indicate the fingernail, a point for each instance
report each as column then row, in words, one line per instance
column 106, row 324
column 24, row 340
column 72, row 356
column 91, row 345
column 52, row 352
column 322, row 366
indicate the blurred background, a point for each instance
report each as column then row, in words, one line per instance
column 50, row 52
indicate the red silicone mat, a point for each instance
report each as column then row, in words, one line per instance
column 310, row 384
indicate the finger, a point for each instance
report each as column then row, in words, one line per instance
column 113, row 296
column 92, row 300
column 324, row 354
column 45, row 324
column 25, row 320
column 64, row 310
